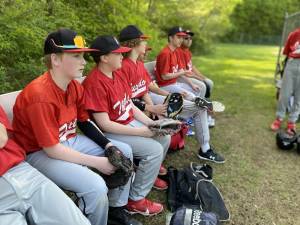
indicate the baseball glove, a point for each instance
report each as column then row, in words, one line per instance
column 165, row 127
column 124, row 168
column 174, row 101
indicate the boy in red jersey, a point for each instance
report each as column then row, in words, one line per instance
column 45, row 117
column 290, row 84
column 143, row 87
column 168, row 71
column 197, row 78
column 168, row 68
column 27, row 196
column 185, row 57
column 108, row 99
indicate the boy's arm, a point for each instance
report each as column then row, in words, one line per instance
column 3, row 136
column 157, row 90
column 103, row 121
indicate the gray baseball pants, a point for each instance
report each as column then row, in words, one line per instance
column 151, row 152
column 88, row 186
column 290, row 86
column 28, row 197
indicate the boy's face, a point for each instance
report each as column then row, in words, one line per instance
column 176, row 40
column 114, row 60
column 72, row 65
column 187, row 41
column 141, row 48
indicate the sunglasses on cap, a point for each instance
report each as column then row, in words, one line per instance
column 79, row 42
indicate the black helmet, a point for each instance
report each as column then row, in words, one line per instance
column 298, row 144
column 285, row 141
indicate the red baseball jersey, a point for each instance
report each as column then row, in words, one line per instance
column 137, row 76
column 45, row 115
column 11, row 154
column 166, row 63
column 103, row 94
column 184, row 56
column 292, row 46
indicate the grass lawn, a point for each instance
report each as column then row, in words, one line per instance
column 260, row 183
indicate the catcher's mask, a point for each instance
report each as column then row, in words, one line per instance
column 285, row 141
column 175, row 104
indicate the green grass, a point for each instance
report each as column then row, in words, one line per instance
column 260, row 183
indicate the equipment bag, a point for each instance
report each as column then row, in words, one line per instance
column 193, row 216
column 188, row 187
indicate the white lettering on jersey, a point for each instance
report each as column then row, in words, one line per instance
column 175, row 69
column 124, row 108
column 296, row 48
column 138, row 88
column 66, row 129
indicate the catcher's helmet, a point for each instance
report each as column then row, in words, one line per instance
column 285, row 141
column 298, row 144
column 175, row 104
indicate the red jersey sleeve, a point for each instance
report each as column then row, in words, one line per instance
column 44, row 124
column 96, row 100
column 287, row 47
column 4, row 119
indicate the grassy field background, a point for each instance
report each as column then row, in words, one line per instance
column 260, row 183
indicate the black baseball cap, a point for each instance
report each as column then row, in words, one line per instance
column 106, row 44
column 176, row 31
column 189, row 32
column 65, row 40
column 131, row 32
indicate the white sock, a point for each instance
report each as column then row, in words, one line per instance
column 205, row 147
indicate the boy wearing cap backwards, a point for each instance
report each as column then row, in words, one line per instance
column 45, row 118
column 185, row 57
column 27, row 196
column 108, row 99
column 167, row 72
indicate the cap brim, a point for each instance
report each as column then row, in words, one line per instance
column 122, row 50
column 190, row 33
column 81, row 50
column 181, row 34
column 144, row 37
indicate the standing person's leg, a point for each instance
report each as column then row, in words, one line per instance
column 294, row 114
column 286, row 89
column 25, row 192
column 286, row 92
